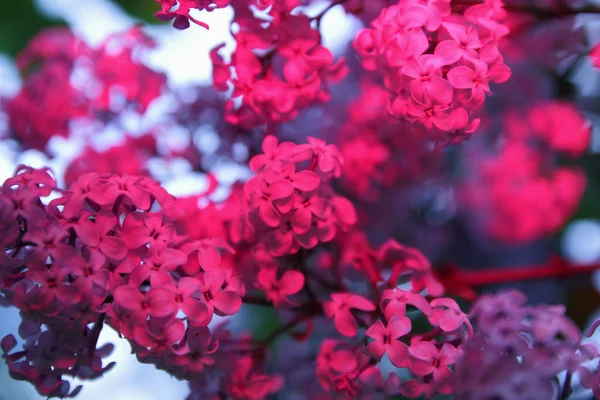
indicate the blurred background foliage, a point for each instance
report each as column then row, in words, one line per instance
column 21, row 20
column 141, row 9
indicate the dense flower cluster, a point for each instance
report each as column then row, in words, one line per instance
column 75, row 82
column 292, row 207
column 437, row 64
column 279, row 66
column 518, row 350
column 410, row 294
column 104, row 251
column 520, row 194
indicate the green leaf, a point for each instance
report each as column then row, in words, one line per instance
column 141, row 9
column 20, row 21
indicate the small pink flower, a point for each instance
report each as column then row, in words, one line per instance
column 96, row 235
column 184, row 295
column 394, row 302
column 446, row 314
column 216, row 294
column 339, row 309
column 425, row 359
column 386, row 340
column 277, row 290
column 245, row 382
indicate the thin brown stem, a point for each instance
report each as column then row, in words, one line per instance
column 95, row 334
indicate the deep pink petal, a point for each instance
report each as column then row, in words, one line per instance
column 171, row 258
column 420, row 367
column 136, row 236
column 175, row 331
column 461, row 77
column 196, row 311
column 376, row 331
column 420, row 302
column 113, row 247
column 281, row 189
column 88, row 232
column 67, row 294
column 345, row 210
column 345, row 324
column 398, row 353
column 448, row 354
column 376, row 348
column 257, row 162
column 361, row 303
column 209, row 257
column 269, row 144
column 499, row 73
column 417, row 42
column 326, row 162
column 284, row 205
column 320, row 207
column 399, row 326
column 268, row 214
column 161, row 302
column 291, row 282
column 343, row 361
column 450, row 321
column 424, row 351
column 278, row 243
column 105, row 221
column 188, row 286
column 139, row 196
column 305, row 180
column 128, row 297
column 301, row 220
column 227, row 302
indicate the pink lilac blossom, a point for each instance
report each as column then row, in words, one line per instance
column 437, row 64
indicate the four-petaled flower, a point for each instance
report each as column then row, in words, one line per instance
column 386, row 340
column 339, row 308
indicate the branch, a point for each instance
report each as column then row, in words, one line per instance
column 311, row 311
column 461, row 281
column 93, row 339
column 566, row 390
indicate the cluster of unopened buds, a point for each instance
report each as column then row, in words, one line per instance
column 437, row 64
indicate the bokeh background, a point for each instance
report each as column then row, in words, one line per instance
column 183, row 56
